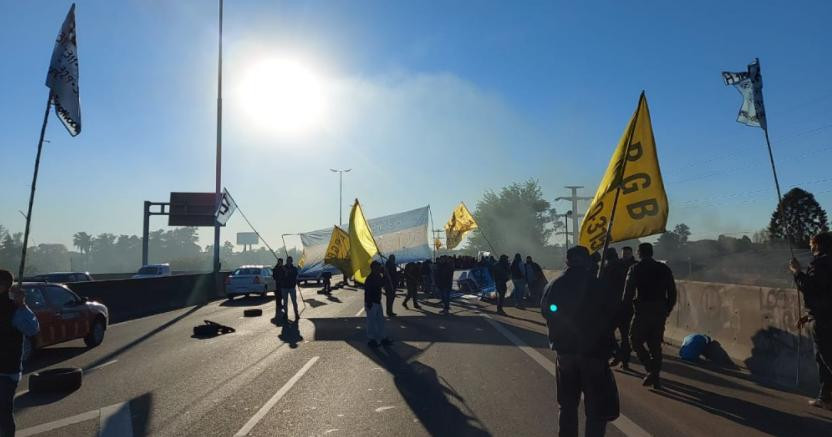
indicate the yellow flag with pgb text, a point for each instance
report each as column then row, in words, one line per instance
column 634, row 173
column 338, row 251
column 458, row 225
column 362, row 244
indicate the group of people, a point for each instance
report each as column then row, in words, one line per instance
column 527, row 278
column 582, row 311
column 286, row 281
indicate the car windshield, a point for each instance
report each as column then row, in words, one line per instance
column 149, row 271
column 240, row 272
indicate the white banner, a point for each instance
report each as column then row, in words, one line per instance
column 62, row 78
column 404, row 234
column 227, row 207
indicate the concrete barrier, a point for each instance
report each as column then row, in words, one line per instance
column 755, row 325
column 133, row 298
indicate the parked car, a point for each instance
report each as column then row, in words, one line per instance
column 63, row 316
column 62, row 277
column 153, row 271
column 250, row 280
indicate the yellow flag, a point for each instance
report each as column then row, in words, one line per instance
column 338, row 251
column 437, row 243
column 642, row 203
column 362, row 245
column 460, row 223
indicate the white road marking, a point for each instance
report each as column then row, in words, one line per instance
column 358, row 314
column 93, row 369
column 21, row 393
column 623, row 423
column 277, row 396
column 115, row 421
column 108, row 417
column 380, row 409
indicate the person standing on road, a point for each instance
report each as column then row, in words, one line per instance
column 651, row 291
column 327, row 279
column 372, row 306
column 411, row 278
column 580, row 317
column 614, row 275
column 816, row 286
column 627, row 257
column 501, row 272
column 427, row 278
column 445, row 281
column 290, row 288
column 518, row 279
column 17, row 321
column 536, row 280
column 279, row 274
column 392, row 276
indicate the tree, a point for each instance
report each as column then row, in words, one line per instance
column 83, row 241
column 804, row 218
column 515, row 220
column 682, row 231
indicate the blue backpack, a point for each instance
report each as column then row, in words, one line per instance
column 693, row 346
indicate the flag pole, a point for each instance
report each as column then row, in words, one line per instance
column 218, row 190
column 618, row 187
column 32, row 192
column 432, row 233
column 782, row 213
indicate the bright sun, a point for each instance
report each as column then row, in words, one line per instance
column 283, row 96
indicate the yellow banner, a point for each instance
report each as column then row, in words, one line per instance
column 642, row 203
column 362, row 245
column 338, row 251
column 437, row 243
column 460, row 223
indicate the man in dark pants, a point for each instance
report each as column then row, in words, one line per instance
column 580, row 316
column 279, row 274
column 16, row 321
column 651, row 291
column 501, row 274
column 816, row 286
column 411, row 279
column 390, row 284
column 614, row 276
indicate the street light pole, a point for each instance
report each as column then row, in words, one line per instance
column 340, row 193
column 219, row 149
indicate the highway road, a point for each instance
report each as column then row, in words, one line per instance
column 472, row 372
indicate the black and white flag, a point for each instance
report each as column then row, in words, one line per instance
column 226, row 208
column 62, row 78
column 750, row 85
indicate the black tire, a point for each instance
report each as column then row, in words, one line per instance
column 96, row 335
column 56, row 380
column 252, row 312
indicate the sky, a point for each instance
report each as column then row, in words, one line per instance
column 427, row 102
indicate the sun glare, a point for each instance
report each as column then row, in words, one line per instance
column 283, row 96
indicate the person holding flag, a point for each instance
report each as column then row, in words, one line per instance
column 631, row 203
column 368, row 272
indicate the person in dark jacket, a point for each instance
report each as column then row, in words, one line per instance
column 580, row 316
column 427, row 277
column 373, row 285
column 411, row 278
column 816, row 286
column 445, row 281
column 278, row 273
column 518, row 280
column 627, row 257
column 391, row 284
column 650, row 291
column 16, row 322
column 614, row 276
column 501, row 272
column 289, row 288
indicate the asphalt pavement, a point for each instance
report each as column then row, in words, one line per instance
column 469, row 373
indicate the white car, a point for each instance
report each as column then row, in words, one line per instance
column 250, row 280
column 153, row 271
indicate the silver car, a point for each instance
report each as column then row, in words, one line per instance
column 250, row 280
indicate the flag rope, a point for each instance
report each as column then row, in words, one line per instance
column 253, row 229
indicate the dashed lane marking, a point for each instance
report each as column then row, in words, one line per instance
column 623, row 423
column 359, row 313
column 277, row 396
column 114, row 420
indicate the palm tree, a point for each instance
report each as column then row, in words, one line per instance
column 83, row 241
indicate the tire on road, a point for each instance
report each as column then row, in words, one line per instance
column 59, row 380
column 96, row 335
column 252, row 312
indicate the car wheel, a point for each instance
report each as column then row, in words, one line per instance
column 27, row 350
column 96, row 335
column 56, row 380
